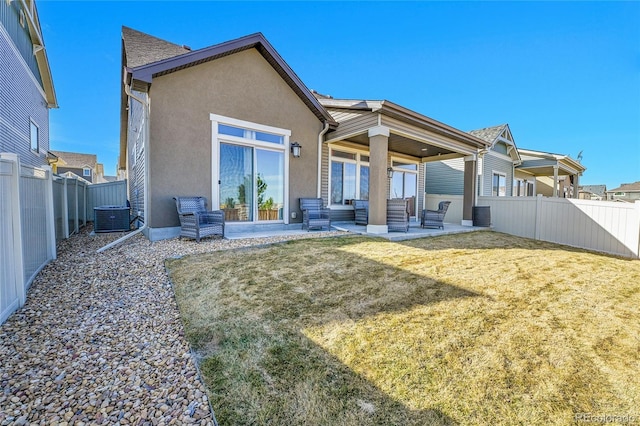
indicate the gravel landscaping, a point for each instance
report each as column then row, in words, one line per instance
column 100, row 340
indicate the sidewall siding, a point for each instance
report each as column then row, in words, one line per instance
column 242, row 86
column 21, row 101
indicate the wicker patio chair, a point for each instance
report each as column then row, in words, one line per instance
column 361, row 209
column 435, row 218
column 195, row 221
column 314, row 214
column 397, row 215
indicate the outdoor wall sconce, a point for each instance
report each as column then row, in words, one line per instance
column 295, row 149
column 389, row 172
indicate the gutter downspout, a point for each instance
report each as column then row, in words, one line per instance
column 325, row 129
column 145, row 194
column 479, row 189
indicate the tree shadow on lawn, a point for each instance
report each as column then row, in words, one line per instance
column 246, row 312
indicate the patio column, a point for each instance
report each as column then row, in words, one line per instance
column 555, row 181
column 469, row 197
column 576, row 182
column 378, row 180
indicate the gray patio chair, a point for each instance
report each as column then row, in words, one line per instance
column 361, row 209
column 435, row 218
column 397, row 215
column 314, row 214
column 195, row 221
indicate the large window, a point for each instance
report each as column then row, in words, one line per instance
column 35, row 144
column 349, row 177
column 499, row 185
column 404, row 183
column 251, row 170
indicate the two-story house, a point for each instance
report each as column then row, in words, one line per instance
column 26, row 87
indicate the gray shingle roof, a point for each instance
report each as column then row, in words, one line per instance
column 489, row 134
column 142, row 49
column 627, row 187
column 77, row 160
column 594, row 189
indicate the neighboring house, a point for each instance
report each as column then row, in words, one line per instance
column 85, row 166
column 556, row 175
column 592, row 192
column 495, row 168
column 221, row 121
column 629, row 192
column 27, row 91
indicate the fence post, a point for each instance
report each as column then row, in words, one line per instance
column 51, row 220
column 65, row 209
column 538, row 216
column 16, row 223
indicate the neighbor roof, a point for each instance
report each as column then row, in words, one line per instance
column 143, row 49
column 77, row 160
column 489, row 134
column 627, row 187
column 594, row 189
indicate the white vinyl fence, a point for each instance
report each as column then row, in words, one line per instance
column 609, row 227
column 454, row 212
column 37, row 209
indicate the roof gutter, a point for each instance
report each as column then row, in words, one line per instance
column 145, row 194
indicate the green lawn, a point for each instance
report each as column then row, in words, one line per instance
column 477, row 328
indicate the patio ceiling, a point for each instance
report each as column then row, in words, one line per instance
column 546, row 170
column 407, row 146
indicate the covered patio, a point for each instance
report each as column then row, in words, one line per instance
column 378, row 152
column 556, row 175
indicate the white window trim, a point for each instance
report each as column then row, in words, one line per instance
column 37, row 150
column 86, row 169
column 358, row 162
column 400, row 169
column 503, row 174
column 216, row 138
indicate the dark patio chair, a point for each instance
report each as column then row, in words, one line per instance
column 435, row 218
column 314, row 214
column 195, row 221
column 361, row 209
column 397, row 215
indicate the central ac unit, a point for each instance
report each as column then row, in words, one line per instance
column 111, row 218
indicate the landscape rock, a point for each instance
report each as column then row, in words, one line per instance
column 100, row 340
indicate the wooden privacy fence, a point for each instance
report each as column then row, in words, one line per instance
column 37, row 209
column 609, row 227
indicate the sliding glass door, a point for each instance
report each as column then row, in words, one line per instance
column 236, row 182
column 251, row 183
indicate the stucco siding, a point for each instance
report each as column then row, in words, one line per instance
column 242, row 86
column 21, row 100
column 445, row 177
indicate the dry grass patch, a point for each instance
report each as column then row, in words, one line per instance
column 479, row 328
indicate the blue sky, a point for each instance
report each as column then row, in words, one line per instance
column 565, row 76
